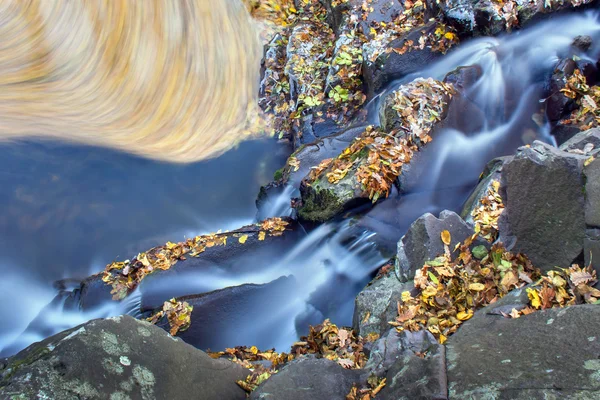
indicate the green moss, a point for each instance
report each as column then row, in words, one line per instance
column 278, row 174
column 29, row 359
column 319, row 205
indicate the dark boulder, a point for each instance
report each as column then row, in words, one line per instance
column 377, row 304
column 423, row 241
column 117, row 358
column 582, row 140
column 557, row 104
column 553, row 353
column 490, row 18
column 309, row 378
column 388, row 66
column 240, row 315
column 413, row 363
column 543, row 192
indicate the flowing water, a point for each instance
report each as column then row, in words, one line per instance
column 69, row 209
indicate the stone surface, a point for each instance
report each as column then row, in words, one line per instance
column 558, row 105
column 592, row 194
column 582, row 139
column 591, row 250
column 422, row 242
column 117, row 358
column 492, row 172
column 542, row 189
column 389, row 66
column 236, row 316
column 413, row 363
column 482, row 17
column 377, row 304
column 551, row 354
column 309, row 378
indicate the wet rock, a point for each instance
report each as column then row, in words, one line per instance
column 473, row 17
column 582, row 42
column 309, row 378
column 117, row 358
column 491, row 173
column 423, row 242
column 489, row 18
column 348, row 180
column 386, row 67
column 241, row 315
column 553, row 353
column 413, row 363
column 581, row 140
column 377, row 304
column 543, row 193
column 558, row 105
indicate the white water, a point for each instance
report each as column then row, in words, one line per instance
column 508, row 92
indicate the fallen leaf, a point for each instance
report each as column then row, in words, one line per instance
column 243, row 239
column 446, row 238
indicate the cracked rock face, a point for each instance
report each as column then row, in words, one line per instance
column 543, row 191
column 117, row 358
column 550, row 354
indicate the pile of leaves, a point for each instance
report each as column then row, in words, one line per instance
column 344, row 82
column 486, row 215
column 324, row 340
column 374, row 386
column 452, row 289
column 562, row 287
column 381, row 34
column 375, row 159
column 280, row 13
column 125, row 276
column 179, row 315
column 587, row 114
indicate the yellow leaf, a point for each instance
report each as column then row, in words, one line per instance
column 588, row 161
column 534, row 297
column 478, row 287
column 450, row 36
column 463, row 316
column 243, row 239
column 254, row 350
column 406, row 296
column 446, row 237
column 261, row 235
column 442, row 339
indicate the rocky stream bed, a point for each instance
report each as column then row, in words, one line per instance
column 461, row 181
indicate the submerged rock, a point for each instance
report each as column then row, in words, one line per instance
column 308, row 378
column 117, row 358
column 235, row 316
column 423, row 241
column 553, row 353
column 543, row 192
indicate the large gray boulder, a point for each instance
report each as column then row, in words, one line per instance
column 309, row 378
column 423, row 241
column 543, row 192
column 117, row 358
column 413, row 363
column 377, row 304
column 550, row 354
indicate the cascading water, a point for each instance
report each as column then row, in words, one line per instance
column 333, row 262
